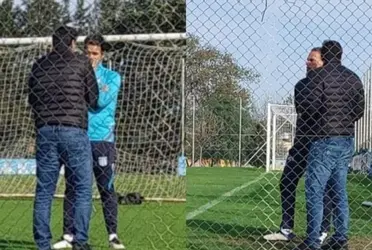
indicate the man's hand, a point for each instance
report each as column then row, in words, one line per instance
column 94, row 63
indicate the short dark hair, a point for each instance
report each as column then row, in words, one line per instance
column 97, row 40
column 331, row 50
column 63, row 37
column 317, row 49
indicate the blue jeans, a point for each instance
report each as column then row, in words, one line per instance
column 56, row 143
column 328, row 162
column 293, row 171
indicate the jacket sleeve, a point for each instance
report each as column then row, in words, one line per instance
column 91, row 86
column 315, row 87
column 32, row 81
column 358, row 100
column 298, row 97
column 109, row 92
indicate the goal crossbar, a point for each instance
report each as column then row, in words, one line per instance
column 108, row 38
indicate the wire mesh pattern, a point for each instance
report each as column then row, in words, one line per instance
column 151, row 98
column 250, row 174
column 145, row 46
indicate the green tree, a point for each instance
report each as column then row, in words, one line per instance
column 147, row 16
column 43, row 17
column 7, row 23
column 142, row 16
column 66, row 17
column 20, row 19
column 110, row 12
column 82, row 18
column 220, row 88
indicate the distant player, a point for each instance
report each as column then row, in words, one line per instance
column 101, row 134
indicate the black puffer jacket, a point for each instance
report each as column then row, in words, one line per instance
column 304, row 120
column 333, row 100
column 62, row 86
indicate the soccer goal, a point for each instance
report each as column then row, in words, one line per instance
column 149, row 114
column 281, row 125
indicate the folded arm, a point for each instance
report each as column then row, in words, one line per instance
column 109, row 91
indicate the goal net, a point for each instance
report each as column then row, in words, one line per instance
column 281, row 124
column 149, row 114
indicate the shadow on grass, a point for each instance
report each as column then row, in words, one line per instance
column 229, row 229
column 203, row 234
column 206, row 235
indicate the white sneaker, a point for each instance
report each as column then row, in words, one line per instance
column 282, row 235
column 323, row 237
column 64, row 243
column 367, row 203
column 115, row 243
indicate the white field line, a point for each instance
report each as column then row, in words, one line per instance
column 213, row 203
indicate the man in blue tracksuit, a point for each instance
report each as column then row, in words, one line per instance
column 101, row 134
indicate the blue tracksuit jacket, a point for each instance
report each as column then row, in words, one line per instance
column 102, row 120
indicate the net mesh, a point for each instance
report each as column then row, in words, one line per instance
column 280, row 135
column 148, row 130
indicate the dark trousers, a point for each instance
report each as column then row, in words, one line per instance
column 104, row 154
column 71, row 145
column 294, row 169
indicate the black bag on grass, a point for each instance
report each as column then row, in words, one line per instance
column 130, row 199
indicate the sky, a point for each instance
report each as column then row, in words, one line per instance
column 278, row 45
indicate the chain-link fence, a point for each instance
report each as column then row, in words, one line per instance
column 136, row 110
column 244, row 59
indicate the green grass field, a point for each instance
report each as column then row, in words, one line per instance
column 152, row 225
column 150, row 186
column 241, row 218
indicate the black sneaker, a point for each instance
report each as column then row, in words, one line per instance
column 304, row 246
column 332, row 244
column 77, row 246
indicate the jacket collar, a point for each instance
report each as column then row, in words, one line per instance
column 333, row 61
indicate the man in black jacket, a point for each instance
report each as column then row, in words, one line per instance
column 334, row 101
column 62, row 87
column 297, row 161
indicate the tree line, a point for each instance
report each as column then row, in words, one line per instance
column 41, row 17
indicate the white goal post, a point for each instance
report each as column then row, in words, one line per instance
column 108, row 38
column 281, row 122
column 150, row 108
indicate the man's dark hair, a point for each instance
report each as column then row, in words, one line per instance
column 97, row 40
column 63, row 37
column 331, row 50
column 316, row 49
